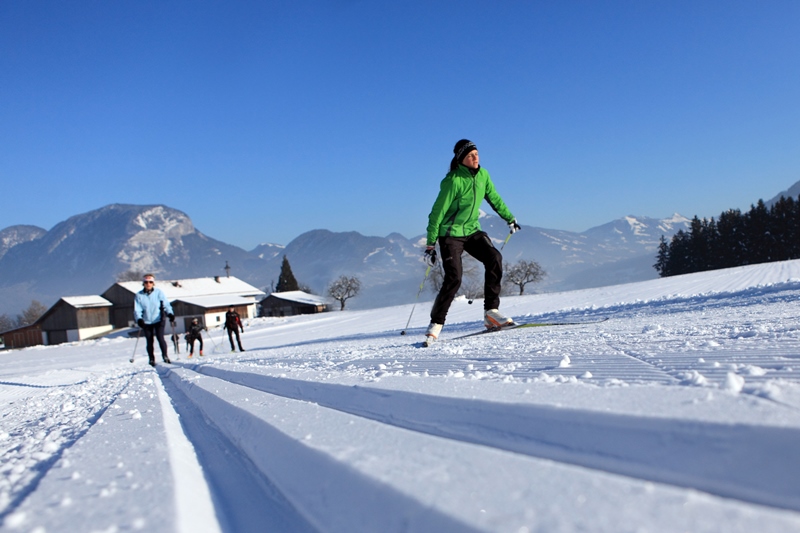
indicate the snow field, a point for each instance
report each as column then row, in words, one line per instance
column 680, row 413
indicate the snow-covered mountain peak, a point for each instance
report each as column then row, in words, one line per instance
column 19, row 234
column 637, row 226
column 668, row 225
column 169, row 222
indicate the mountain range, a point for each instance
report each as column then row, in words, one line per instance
column 86, row 253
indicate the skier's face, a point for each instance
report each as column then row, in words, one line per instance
column 471, row 160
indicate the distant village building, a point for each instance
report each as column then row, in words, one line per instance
column 75, row 318
column 293, row 303
column 72, row 318
column 23, row 337
column 205, row 298
column 210, row 310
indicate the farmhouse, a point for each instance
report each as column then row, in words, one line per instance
column 72, row 318
column 293, row 303
column 205, row 298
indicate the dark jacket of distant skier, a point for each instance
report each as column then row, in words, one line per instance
column 233, row 324
column 195, row 334
column 195, row 330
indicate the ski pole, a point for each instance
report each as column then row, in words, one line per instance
column 172, row 326
column 506, row 241
column 221, row 337
column 427, row 271
column 212, row 341
column 138, row 334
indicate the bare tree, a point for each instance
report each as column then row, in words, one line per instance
column 436, row 278
column 6, row 322
column 470, row 270
column 472, row 289
column 522, row 273
column 343, row 289
column 31, row 314
column 130, row 275
column 305, row 288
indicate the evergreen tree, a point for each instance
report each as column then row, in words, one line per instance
column 758, row 235
column 783, row 216
column 286, row 281
column 662, row 259
column 679, row 261
column 730, row 239
column 697, row 256
column 761, row 235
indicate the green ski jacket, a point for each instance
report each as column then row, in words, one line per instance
column 455, row 211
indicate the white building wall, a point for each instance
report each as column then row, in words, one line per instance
column 85, row 333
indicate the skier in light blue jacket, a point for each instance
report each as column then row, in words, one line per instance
column 150, row 305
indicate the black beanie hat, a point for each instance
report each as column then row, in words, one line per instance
column 462, row 148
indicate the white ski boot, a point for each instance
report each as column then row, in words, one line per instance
column 492, row 319
column 432, row 334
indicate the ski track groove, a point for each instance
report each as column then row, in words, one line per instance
column 486, row 424
column 718, row 374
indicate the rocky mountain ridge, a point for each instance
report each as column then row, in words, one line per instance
column 85, row 253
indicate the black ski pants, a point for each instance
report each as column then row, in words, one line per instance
column 231, row 332
column 479, row 246
column 199, row 338
column 155, row 330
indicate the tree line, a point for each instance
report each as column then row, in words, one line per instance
column 734, row 239
column 26, row 318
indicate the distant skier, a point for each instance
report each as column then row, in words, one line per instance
column 150, row 306
column 233, row 324
column 195, row 333
column 453, row 222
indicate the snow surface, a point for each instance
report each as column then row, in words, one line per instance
column 681, row 412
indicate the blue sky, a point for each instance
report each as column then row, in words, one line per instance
column 262, row 120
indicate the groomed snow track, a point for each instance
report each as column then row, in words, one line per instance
column 336, row 482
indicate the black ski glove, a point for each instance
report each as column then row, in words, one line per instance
column 430, row 256
column 140, row 323
column 171, row 317
column 513, row 226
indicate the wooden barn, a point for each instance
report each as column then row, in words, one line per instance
column 76, row 318
column 72, row 318
column 23, row 337
column 293, row 303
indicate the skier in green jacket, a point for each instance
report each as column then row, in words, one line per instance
column 453, row 223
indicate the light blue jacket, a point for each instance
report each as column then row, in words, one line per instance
column 147, row 306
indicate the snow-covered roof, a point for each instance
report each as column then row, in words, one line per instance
column 301, row 297
column 87, row 301
column 187, row 288
column 222, row 300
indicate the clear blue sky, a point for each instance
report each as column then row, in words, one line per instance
column 262, row 120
